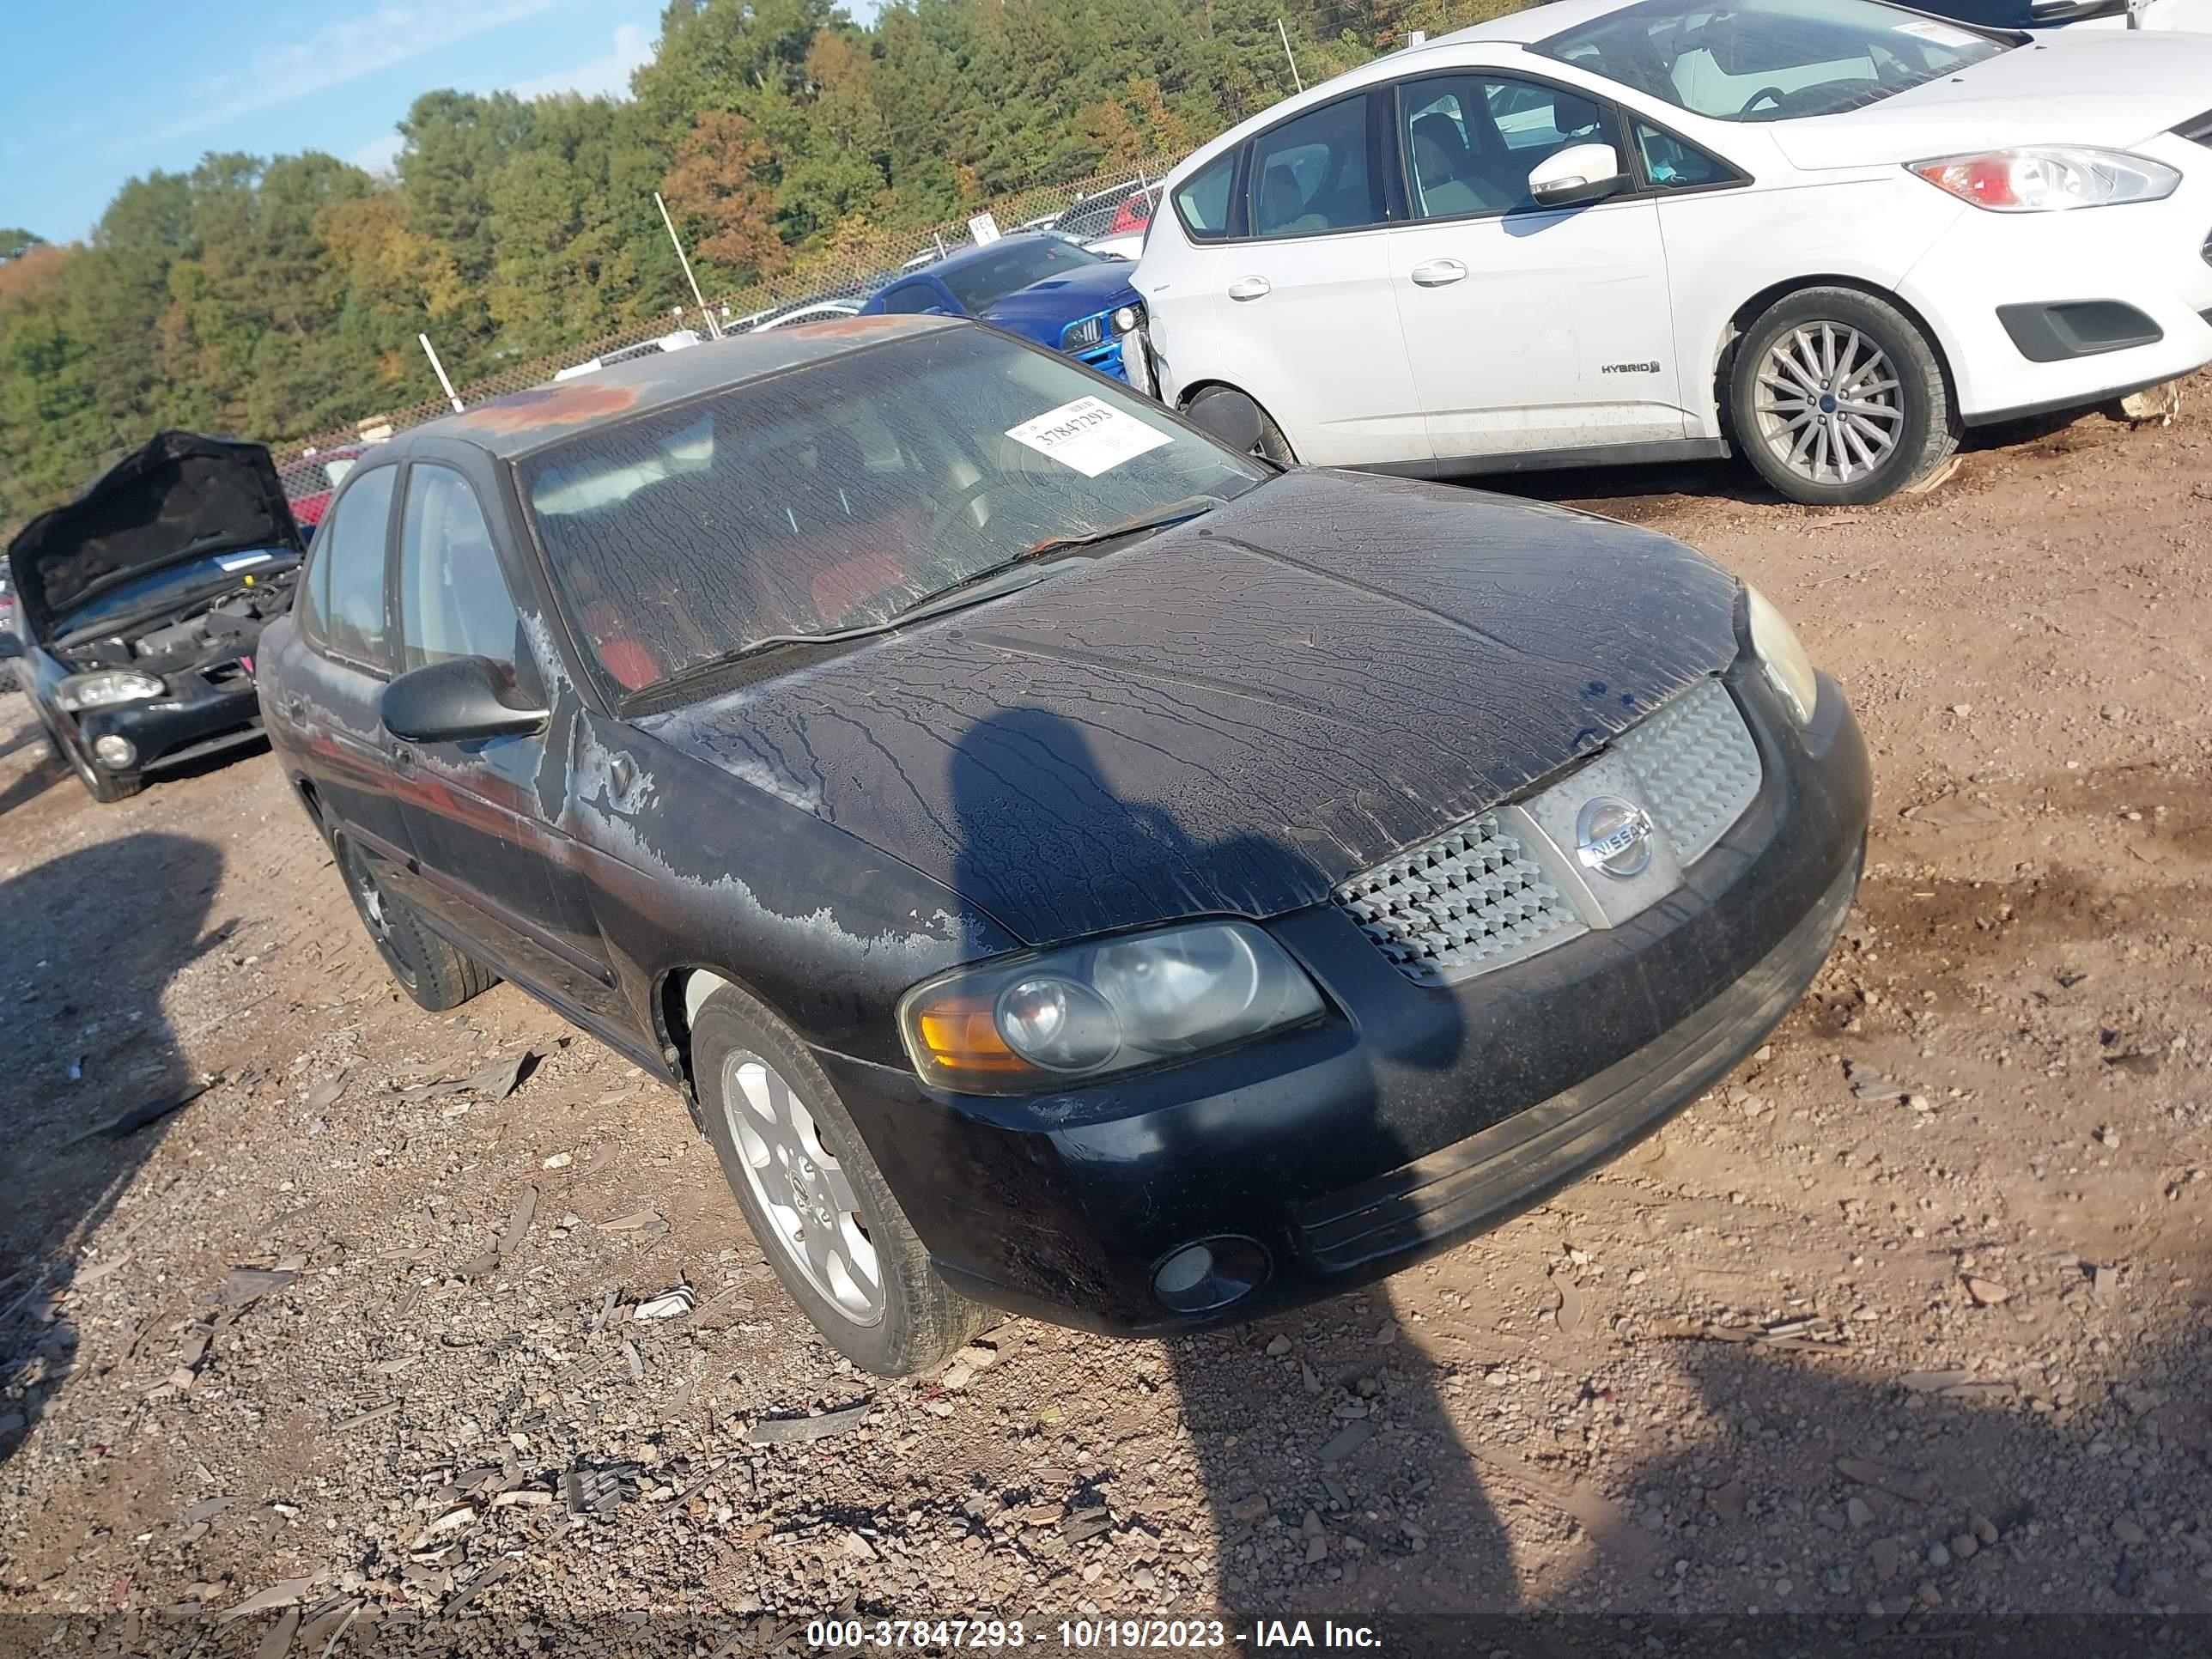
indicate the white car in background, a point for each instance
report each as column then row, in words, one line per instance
column 822, row 310
column 1829, row 233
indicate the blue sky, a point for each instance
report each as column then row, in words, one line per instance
column 100, row 90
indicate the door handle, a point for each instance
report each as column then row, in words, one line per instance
column 1437, row 273
column 1250, row 288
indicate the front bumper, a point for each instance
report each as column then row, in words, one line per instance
column 1349, row 1148
column 1988, row 272
column 197, row 718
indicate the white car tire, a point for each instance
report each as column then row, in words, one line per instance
column 1839, row 398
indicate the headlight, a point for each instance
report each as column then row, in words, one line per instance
column 2047, row 177
column 1124, row 318
column 1024, row 1023
column 1774, row 642
column 81, row 691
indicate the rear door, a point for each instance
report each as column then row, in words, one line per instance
column 328, row 691
column 1530, row 329
column 494, row 867
column 1303, row 317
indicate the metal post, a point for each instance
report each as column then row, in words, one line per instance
column 684, row 259
column 1296, row 80
column 939, row 241
column 431, row 352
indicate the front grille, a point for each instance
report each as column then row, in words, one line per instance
column 1081, row 337
column 2197, row 128
column 1699, row 767
column 1471, row 900
column 1478, row 896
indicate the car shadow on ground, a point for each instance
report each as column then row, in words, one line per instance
column 88, row 943
column 1305, row 1483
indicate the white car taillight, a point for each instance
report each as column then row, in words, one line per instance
column 2047, row 178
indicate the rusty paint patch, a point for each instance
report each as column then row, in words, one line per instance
column 844, row 328
column 571, row 403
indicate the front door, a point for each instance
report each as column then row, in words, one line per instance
column 494, row 869
column 1530, row 328
column 1303, row 318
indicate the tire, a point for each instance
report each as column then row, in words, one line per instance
column 427, row 969
column 751, row 1073
column 105, row 788
column 1806, row 347
column 1270, row 445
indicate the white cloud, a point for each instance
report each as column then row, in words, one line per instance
column 379, row 155
column 606, row 76
column 342, row 50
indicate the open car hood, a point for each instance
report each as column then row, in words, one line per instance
column 180, row 496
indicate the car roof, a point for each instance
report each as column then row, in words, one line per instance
column 1537, row 23
column 524, row 420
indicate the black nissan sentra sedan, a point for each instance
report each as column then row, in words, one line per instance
column 1068, row 866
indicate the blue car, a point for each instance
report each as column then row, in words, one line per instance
column 1044, row 287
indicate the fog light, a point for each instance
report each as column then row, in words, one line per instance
column 1212, row 1273
column 113, row 751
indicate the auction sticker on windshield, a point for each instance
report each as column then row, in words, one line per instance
column 1942, row 33
column 1091, row 436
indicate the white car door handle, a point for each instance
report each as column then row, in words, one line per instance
column 1249, row 288
column 1437, row 273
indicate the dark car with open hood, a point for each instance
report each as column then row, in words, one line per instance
column 1066, row 864
column 140, row 606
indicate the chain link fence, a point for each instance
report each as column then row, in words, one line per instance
column 1088, row 209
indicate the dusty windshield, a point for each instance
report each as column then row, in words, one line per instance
column 839, row 496
column 1770, row 60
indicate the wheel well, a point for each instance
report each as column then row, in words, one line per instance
column 683, row 990
column 1190, row 394
column 1745, row 313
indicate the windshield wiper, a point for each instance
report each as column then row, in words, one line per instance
column 1158, row 518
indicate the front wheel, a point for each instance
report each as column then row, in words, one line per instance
column 814, row 1199
column 1838, row 399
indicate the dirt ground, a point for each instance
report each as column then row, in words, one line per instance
column 1906, row 1322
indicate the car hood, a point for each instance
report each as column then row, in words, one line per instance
column 180, row 496
column 1042, row 309
column 2078, row 87
column 1232, row 716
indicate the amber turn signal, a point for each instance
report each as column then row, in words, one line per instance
column 959, row 1038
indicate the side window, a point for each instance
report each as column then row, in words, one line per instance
column 1672, row 164
column 453, row 601
column 348, row 590
column 1313, row 174
column 912, row 300
column 1472, row 141
column 1203, row 203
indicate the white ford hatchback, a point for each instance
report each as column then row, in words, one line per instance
column 1827, row 233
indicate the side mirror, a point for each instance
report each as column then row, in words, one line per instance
column 454, row 700
column 1578, row 173
column 1228, row 416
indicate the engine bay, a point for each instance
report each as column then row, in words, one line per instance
column 211, row 630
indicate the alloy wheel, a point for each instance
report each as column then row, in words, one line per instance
column 375, row 911
column 1829, row 403
column 799, row 1185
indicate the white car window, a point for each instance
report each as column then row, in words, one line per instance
column 1473, row 140
column 1771, row 60
column 1313, row 174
